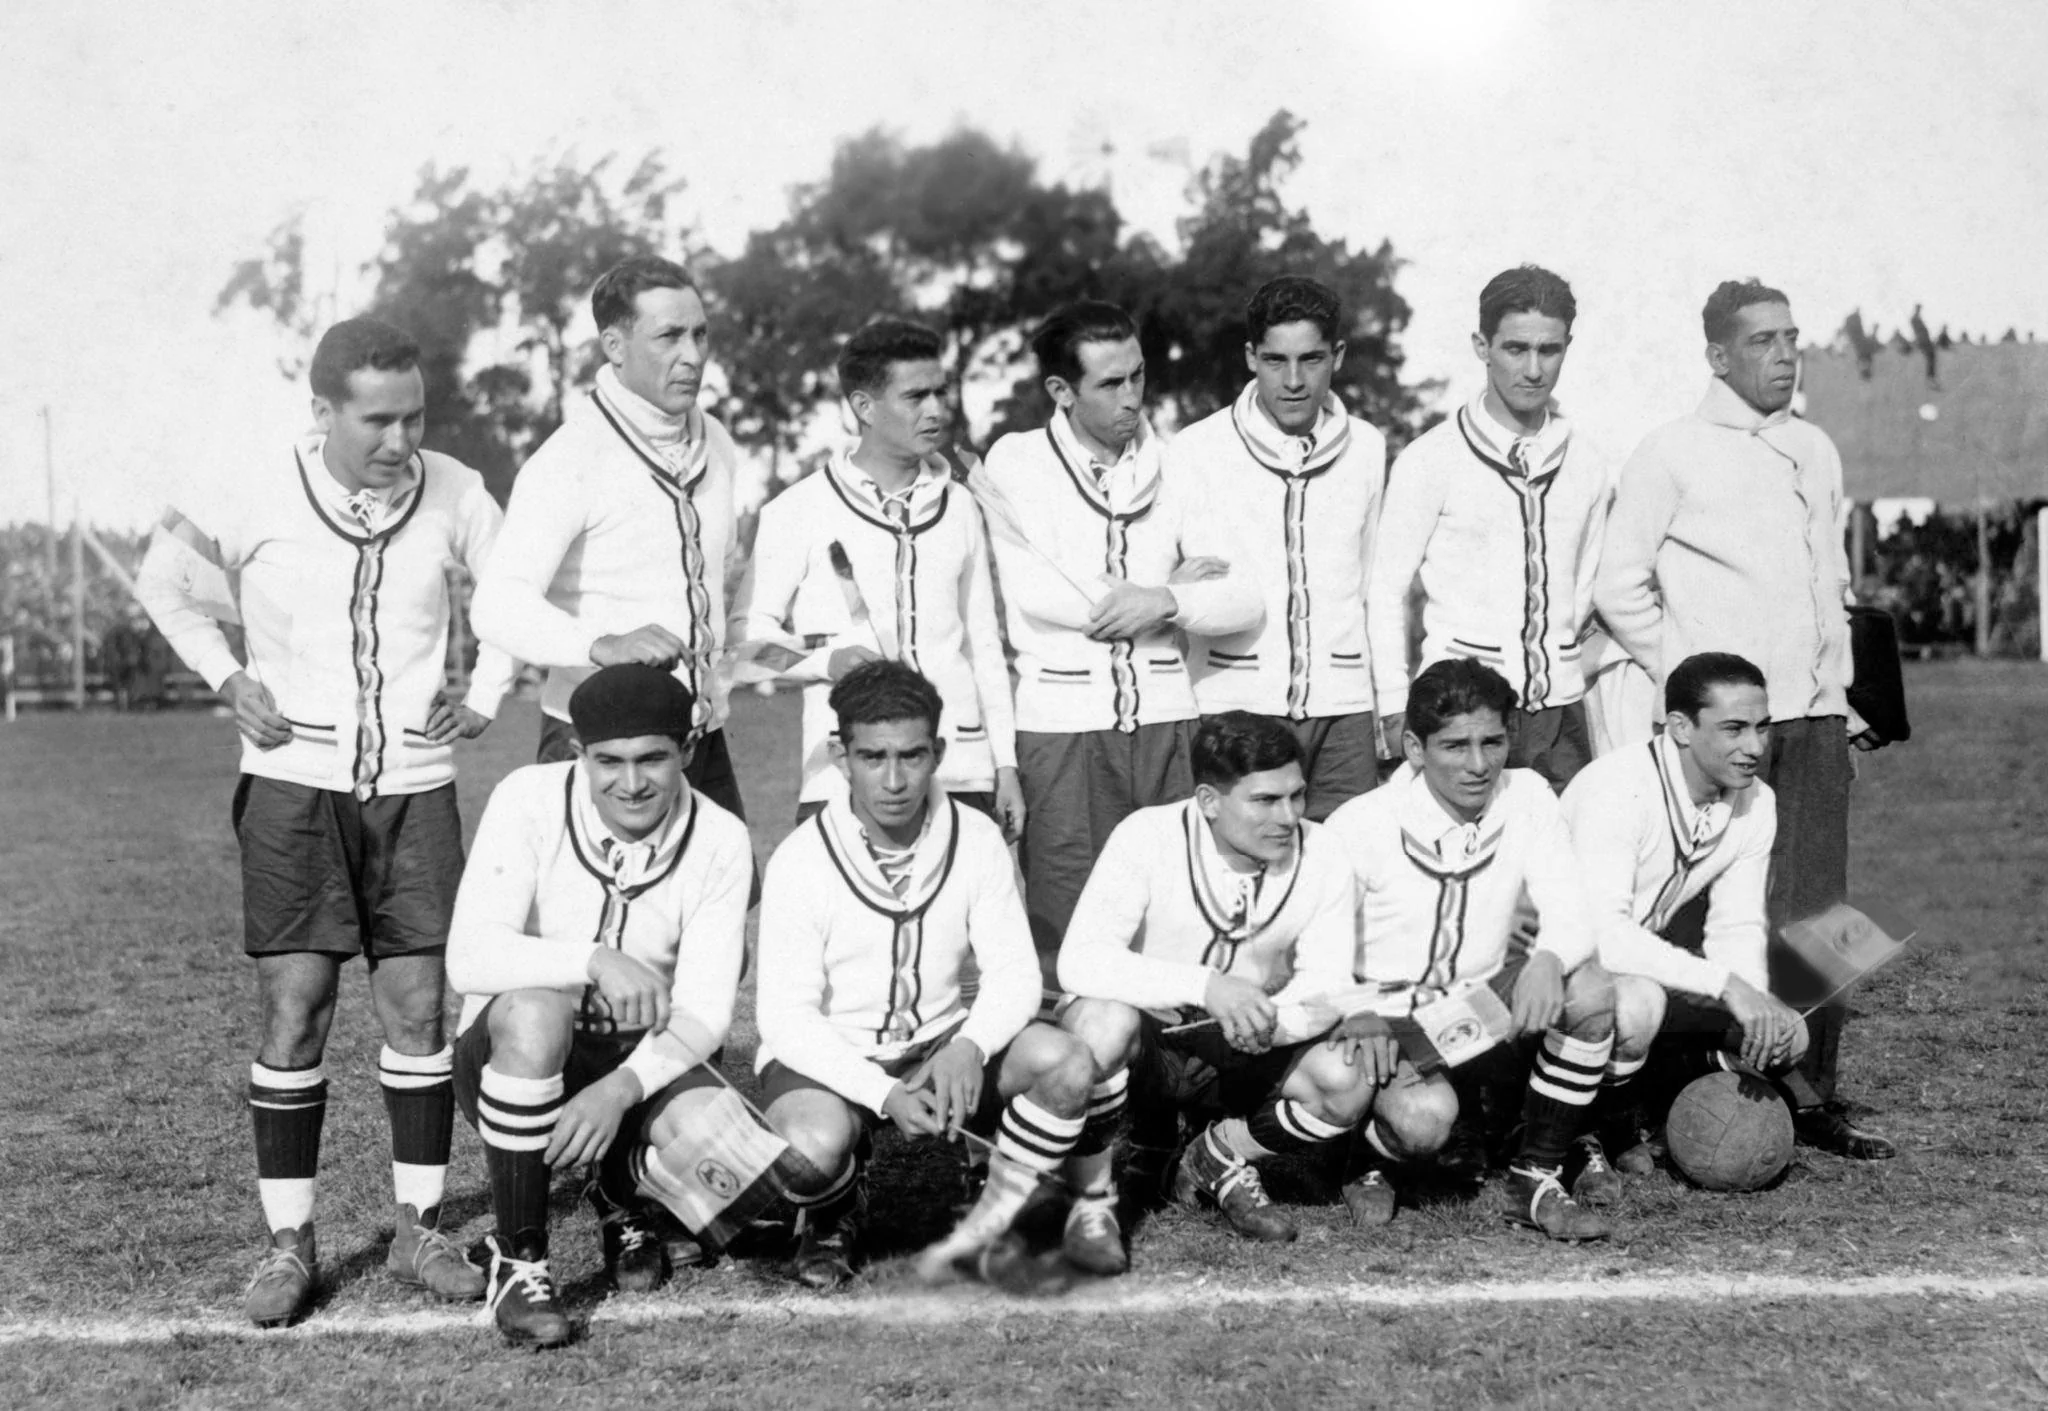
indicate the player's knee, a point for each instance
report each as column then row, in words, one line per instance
column 1334, row 1091
column 1588, row 1003
column 1109, row 1029
column 1639, row 1004
column 1415, row 1117
column 532, row 1029
column 1065, row 1071
column 820, row 1129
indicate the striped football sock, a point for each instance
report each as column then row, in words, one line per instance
column 516, row 1118
column 1105, row 1113
column 1276, row 1127
column 1567, row 1074
column 287, row 1107
column 419, row 1100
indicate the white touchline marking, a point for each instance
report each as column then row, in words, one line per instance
column 1125, row 1298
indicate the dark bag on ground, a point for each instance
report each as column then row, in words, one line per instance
column 1877, row 689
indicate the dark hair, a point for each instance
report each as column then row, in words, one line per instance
column 882, row 343
column 1057, row 343
column 1525, row 289
column 354, row 344
column 1693, row 680
column 879, row 692
column 613, row 301
column 1453, row 687
column 1294, row 298
column 1236, row 743
column 1731, row 297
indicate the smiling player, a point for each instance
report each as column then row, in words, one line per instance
column 1499, row 510
column 1301, row 479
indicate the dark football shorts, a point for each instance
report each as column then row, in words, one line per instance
column 778, row 1078
column 1198, row 1070
column 324, row 871
column 591, row 1057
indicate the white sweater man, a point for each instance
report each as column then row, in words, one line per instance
column 1499, row 510
column 619, row 527
column 881, row 553
column 1103, row 562
column 1725, row 536
column 1301, row 480
column 345, row 809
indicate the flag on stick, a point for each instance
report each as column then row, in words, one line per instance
column 725, row 1168
column 999, row 512
column 1819, row 957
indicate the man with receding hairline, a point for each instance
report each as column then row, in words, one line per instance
column 1723, row 537
column 619, row 527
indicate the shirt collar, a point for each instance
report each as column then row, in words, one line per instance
column 383, row 504
column 1723, row 407
column 628, row 863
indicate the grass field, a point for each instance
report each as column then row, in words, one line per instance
column 128, row 1218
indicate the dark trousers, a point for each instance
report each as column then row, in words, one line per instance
column 1339, row 758
column 710, row 772
column 1808, row 769
column 1554, row 741
column 1077, row 788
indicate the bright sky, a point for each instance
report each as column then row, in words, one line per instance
column 1866, row 153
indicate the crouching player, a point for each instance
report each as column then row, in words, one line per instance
column 1656, row 826
column 597, row 944
column 1443, row 851
column 869, row 914
column 1202, row 922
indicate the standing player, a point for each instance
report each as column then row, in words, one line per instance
column 1202, row 922
column 1724, row 537
column 1104, row 705
column 1303, row 477
column 1657, row 825
column 597, row 945
column 915, row 577
column 1443, row 853
column 869, row 915
column 345, row 811
column 619, row 526
column 1499, row 510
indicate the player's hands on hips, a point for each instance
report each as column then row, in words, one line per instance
column 255, row 711
column 450, row 721
column 651, row 645
column 1010, row 802
column 911, row 1112
column 1772, row 1031
column 845, row 659
column 634, row 995
column 1367, row 1043
column 1199, row 569
column 952, row 1077
column 589, row 1123
column 1391, row 727
column 1127, row 609
column 1539, row 993
column 1244, row 1010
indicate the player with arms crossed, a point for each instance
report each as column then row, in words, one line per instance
column 880, row 553
column 1499, row 509
column 619, row 527
column 869, row 914
column 1109, row 563
column 345, row 810
column 1443, row 851
column 1304, row 477
column 597, row 946
column 1203, row 924
column 1656, row 826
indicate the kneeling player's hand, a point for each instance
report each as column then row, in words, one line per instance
column 256, row 714
column 1245, row 1012
column 1770, row 1028
column 1367, row 1043
column 911, row 1112
column 634, row 995
column 589, row 1123
column 1539, row 993
column 652, row 645
column 450, row 721
column 952, row 1077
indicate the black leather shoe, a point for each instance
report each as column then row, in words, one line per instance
column 1830, row 1129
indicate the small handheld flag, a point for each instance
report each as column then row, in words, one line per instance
column 1819, row 957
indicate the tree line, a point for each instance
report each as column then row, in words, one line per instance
column 964, row 234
